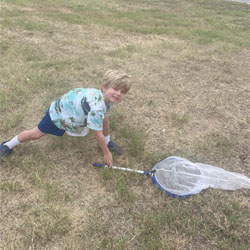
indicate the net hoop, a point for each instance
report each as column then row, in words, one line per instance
column 173, row 164
column 166, row 191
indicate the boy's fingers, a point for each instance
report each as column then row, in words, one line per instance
column 109, row 163
column 108, row 159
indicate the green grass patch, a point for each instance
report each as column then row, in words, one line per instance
column 15, row 18
column 135, row 138
column 120, row 181
column 187, row 56
column 199, row 24
column 151, row 224
column 11, row 187
column 44, row 224
column 216, row 142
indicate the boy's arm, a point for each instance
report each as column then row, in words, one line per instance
column 102, row 143
column 106, row 125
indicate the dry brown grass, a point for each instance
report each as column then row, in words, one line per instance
column 190, row 97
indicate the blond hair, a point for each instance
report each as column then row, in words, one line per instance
column 117, row 80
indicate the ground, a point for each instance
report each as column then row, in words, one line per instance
column 190, row 97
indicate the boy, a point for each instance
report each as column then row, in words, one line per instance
column 78, row 111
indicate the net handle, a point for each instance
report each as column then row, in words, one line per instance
column 101, row 165
column 152, row 174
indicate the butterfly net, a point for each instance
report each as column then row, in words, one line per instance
column 181, row 177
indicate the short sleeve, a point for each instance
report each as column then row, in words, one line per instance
column 95, row 120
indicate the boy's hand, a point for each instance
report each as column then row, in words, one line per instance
column 108, row 159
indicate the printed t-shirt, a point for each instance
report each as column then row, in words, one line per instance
column 79, row 109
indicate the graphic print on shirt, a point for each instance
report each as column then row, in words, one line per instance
column 79, row 108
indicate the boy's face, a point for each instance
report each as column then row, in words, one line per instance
column 112, row 95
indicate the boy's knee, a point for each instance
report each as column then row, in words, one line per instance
column 36, row 136
column 36, row 133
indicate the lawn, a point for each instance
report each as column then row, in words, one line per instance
column 190, row 97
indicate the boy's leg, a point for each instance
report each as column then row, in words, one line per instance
column 32, row 134
column 26, row 135
column 113, row 147
column 107, row 139
column 45, row 126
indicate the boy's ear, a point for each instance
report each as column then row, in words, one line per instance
column 104, row 88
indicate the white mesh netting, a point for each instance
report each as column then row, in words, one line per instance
column 182, row 177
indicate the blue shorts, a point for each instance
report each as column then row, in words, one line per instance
column 48, row 127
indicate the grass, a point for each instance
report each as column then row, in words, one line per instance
column 45, row 224
column 135, row 140
column 188, row 62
